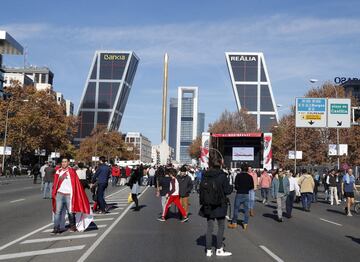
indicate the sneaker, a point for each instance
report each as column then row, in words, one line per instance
column 161, row 219
column 280, row 220
column 209, row 252
column 264, row 201
column 222, row 253
column 185, row 219
column 349, row 214
column 55, row 231
column 245, row 226
column 73, row 229
column 232, row 225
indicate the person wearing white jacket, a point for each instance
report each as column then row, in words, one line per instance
column 294, row 191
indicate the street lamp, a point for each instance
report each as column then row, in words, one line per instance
column 216, row 150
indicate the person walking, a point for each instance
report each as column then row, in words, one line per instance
column 265, row 185
column 185, row 188
column 317, row 184
column 83, row 174
column 36, row 172
column 115, row 173
column 307, row 184
column 244, row 183
column 42, row 173
column 151, row 173
column 101, row 176
column 331, row 182
column 254, row 176
column 280, row 189
column 48, row 181
column 123, row 176
column 214, row 188
column 173, row 197
column 134, row 183
column 68, row 195
column 348, row 188
column 163, row 185
column 294, row 191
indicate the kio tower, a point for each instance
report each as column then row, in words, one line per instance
column 252, row 87
column 106, row 91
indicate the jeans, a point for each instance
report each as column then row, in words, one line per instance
column 62, row 204
column 333, row 194
column 220, row 233
column 265, row 193
column 47, row 185
column 241, row 199
column 306, row 199
column 100, row 196
column 289, row 203
column 114, row 180
column 280, row 201
column 151, row 181
column 252, row 199
column 163, row 202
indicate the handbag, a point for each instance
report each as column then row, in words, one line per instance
column 130, row 198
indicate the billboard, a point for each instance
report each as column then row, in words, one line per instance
column 243, row 154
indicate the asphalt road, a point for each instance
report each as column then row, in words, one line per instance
column 324, row 234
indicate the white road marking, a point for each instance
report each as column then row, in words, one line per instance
column 40, row 252
column 25, row 236
column 115, row 193
column 99, row 226
column 270, row 253
column 119, row 208
column 103, row 219
column 17, row 200
column 107, row 231
column 331, row 222
column 50, row 239
column 107, row 214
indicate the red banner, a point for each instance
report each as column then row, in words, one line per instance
column 238, row 135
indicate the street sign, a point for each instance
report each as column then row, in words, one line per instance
column 7, row 150
column 55, row 155
column 298, row 154
column 95, row 158
column 41, row 152
column 339, row 110
column 311, row 112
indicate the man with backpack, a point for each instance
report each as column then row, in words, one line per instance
column 243, row 184
column 214, row 187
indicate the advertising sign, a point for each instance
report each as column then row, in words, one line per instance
column 243, row 154
column 7, row 151
column 343, row 149
column 311, row 112
column 267, row 151
column 298, row 154
column 339, row 110
column 204, row 155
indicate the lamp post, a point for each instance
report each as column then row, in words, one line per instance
column 216, row 150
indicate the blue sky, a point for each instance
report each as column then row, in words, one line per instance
column 300, row 40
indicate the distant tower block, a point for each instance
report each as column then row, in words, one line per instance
column 106, row 91
column 252, row 87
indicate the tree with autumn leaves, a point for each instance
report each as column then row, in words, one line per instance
column 228, row 122
column 314, row 142
column 106, row 143
column 36, row 121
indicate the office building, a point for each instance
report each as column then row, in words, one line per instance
column 106, row 91
column 173, row 123
column 252, row 87
column 69, row 107
column 142, row 146
column 8, row 46
column 201, row 124
column 187, row 116
column 41, row 77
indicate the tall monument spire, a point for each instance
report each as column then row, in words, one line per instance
column 164, row 101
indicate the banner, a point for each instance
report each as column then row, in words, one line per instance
column 267, row 151
column 204, row 155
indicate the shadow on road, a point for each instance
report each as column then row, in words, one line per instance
column 355, row 239
column 273, row 216
column 335, row 211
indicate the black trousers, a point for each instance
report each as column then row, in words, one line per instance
column 289, row 202
column 220, row 233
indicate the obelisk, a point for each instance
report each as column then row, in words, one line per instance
column 164, row 100
column 164, row 149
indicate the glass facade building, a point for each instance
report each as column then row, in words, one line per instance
column 252, row 87
column 106, row 91
column 187, row 120
column 173, row 123
column 201, row 124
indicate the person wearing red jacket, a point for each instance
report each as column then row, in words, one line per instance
column 68, row 194
column 115, row 173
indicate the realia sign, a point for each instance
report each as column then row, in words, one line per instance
column 341, row 79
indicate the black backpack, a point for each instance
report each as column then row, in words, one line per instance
column 211, row 193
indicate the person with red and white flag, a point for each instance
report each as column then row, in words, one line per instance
column 69, row 195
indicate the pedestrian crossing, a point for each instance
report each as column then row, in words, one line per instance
column 36, row 244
